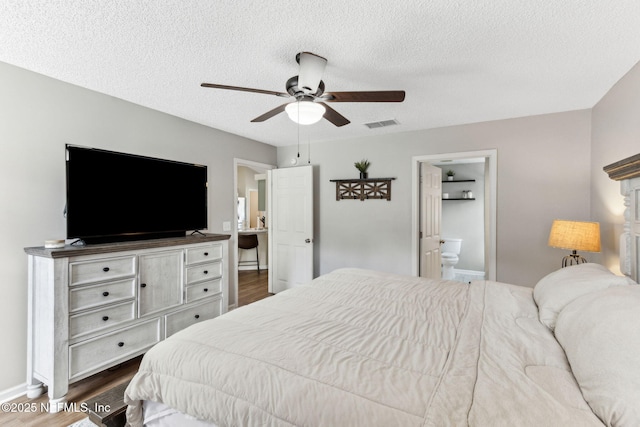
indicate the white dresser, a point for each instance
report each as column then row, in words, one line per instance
column 96, row 306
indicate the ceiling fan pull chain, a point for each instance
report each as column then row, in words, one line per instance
column 298, row 101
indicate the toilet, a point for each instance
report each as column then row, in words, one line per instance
column 450, row 250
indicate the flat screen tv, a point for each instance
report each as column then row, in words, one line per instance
column 116, row 196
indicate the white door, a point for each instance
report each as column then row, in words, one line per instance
column 291, row 227
column 430, row 215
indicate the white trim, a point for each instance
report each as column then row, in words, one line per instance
column 13, row 393
column 492, row 158
column 233, row 246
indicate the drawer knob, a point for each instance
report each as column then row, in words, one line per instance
column 105, row 318
column 120, row 344
column 206, row 254
column 105, row 294
column 143, row 285
column 197, row 316
column 105, row 269
column 206, row 272
column 206, row 289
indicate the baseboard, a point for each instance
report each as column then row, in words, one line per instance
column 13, row 393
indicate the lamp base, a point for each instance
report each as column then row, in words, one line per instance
column 572, row 259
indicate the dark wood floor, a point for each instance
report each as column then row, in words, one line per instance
column 252, row 286
column 28, row 411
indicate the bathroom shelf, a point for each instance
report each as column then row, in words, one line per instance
column 460, row 180
column 460, row 198
column 363, row 189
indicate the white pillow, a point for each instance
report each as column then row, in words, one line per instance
column 600, row 334
column 559, row 288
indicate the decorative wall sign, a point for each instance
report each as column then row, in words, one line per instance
column 363, row 189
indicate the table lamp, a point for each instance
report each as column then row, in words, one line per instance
column 575, row 236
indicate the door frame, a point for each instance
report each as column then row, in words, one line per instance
column 491, row 187
column 233, row 245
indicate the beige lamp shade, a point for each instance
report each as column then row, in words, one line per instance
column 575, row 235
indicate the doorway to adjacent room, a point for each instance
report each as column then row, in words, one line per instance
column 488, row 207
column 249, row 283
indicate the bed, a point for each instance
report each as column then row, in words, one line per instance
column 363, row 348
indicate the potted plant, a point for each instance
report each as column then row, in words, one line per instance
column 450, row 175
column 362, row 166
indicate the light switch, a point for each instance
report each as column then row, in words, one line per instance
column 226, row 226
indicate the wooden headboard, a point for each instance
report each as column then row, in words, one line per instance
column 627, row 171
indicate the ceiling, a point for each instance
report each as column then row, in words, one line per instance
column 458, row 61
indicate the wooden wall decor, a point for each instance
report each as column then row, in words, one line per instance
column 363, row 189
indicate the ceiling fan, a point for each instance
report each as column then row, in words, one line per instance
column 307, row 88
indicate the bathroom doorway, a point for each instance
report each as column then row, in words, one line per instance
column 468, row 211
column 250, row 197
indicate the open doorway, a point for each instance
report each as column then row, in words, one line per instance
column 249, row 268
column 477, row 169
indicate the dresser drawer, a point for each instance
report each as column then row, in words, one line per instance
column 204, row 290
column 101, row 270
column 109, row 349
column 84, row 297
column 204, row 253
column 200, row 272
column 97, row 320
column 177, row 321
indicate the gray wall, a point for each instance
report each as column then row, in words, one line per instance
column 615, row 136
column 38, row 115
column 543, row 174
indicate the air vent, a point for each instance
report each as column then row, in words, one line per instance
column 381, row 124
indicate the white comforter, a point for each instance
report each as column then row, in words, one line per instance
column 361, row 348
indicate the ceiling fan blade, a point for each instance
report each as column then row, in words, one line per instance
column 333, row 116
column 270, row 113
column 374, row 96
column 311, row 68
column 245, row 89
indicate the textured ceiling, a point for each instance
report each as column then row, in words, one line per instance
column 458, row 61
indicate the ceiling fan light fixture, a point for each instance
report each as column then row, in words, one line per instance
column 305, row 112
column 307, row 88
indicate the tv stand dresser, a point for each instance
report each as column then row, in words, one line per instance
column 92, row 307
